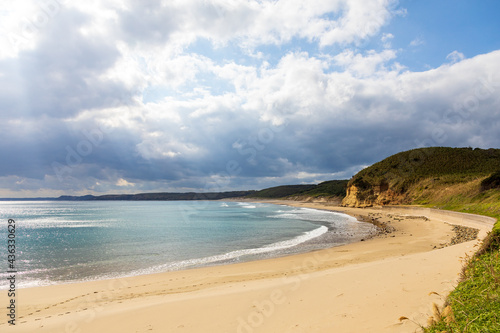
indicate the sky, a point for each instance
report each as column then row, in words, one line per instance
column 128, row 96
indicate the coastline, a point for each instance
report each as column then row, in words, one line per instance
column 363, row 286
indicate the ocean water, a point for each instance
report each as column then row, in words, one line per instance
column 63, row 242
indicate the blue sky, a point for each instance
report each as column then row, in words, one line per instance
column 129, row 96
column 441, row 27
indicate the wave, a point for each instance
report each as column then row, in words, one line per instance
column 237, row 253
column 246, row 205
column 29, row 284
column 315, row 215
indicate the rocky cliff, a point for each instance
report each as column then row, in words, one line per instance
column 374, row 195
column 417, row 174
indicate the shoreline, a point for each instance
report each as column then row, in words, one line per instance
column 304, row 246
column 361, row 286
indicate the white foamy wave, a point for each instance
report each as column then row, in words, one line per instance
column 238, row 253
column 28, row 284
column 315, row 215
column 22, row 281
column 246, row 205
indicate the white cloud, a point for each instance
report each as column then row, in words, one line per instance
column 362, row 19
column 20, row 24
column 455, row 56
column 365, row 65
column 251, row 22
column 123, row 183
column 417, row 41
column 386, row 40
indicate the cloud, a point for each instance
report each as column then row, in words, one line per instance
column 125, row 96
column 57, row 78
column 416, row 42
column 253, row 23
column 364, row 65
column 386, row 40
column 455, row 56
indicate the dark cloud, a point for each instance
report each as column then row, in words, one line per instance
column 62, row 75
column 149, row 21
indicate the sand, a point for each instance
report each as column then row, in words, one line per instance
column 361, row 287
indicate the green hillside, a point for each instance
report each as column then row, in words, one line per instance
column 331, row 188
column 431, row 168
column 455, row 163
column 279, row 192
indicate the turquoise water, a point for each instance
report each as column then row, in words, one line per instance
column 61, row 242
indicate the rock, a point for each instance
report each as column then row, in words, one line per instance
column 463, row 234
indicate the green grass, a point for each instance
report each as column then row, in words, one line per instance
column 476, row 300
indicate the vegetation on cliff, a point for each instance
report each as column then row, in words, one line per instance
column 415, row 174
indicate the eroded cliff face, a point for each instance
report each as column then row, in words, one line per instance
column 353, row 198
column 373, row 195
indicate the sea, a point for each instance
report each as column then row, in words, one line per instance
column 58, row 242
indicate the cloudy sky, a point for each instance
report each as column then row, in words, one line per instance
column 127, row 96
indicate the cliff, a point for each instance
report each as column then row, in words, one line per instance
column 377, row 194
column 414, row 176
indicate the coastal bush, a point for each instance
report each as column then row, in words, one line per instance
column 491, row 182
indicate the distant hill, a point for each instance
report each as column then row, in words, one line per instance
column 280, row 191
column 166, row 196
column 331, row 188
column 328, row 189
column 418, row 175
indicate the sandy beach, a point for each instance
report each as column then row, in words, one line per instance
column 361, row 287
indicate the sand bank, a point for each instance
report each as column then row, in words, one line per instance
column 361, row 287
